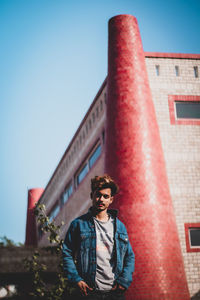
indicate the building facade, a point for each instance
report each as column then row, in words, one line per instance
column 174, row 81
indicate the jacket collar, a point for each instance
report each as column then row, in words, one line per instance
column 112, row 212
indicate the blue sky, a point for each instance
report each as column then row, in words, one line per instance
column 53, row 59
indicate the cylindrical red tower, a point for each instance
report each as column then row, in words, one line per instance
column 31, row 234
column 134, row 158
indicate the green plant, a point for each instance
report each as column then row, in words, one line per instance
column 40, row 289
column 6, row 242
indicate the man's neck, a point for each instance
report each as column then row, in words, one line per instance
column 101, row 215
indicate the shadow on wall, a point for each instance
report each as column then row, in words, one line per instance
column 196, row 296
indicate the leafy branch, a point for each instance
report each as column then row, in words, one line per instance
column 40, row 288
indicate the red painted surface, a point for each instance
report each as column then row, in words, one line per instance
column 172, row 55
column 172, row 113
column 134, row 158
column 187, row 239
column 31, row 234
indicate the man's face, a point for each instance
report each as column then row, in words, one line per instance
column 101, row 199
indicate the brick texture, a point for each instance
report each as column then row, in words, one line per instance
column 134, row 157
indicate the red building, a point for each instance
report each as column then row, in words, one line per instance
column 143, row 129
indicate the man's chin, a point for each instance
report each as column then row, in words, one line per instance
column 100, row 207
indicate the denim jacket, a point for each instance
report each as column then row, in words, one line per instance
column 79, row 251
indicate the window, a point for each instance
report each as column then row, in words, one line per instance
column 103, row 136
column 40, row 232
column 184, row 109
column 67, row 193
column 187, row 110
column 192, row 236
column 89, row 162
column 82, row 173
column 93, row 117
column 196, row 72
column 55, row 211
column 97, row 111
column 101, row 105
column 177, row 71
column 157, row 70
column 94, row 156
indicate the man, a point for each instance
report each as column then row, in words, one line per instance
column 97, row 256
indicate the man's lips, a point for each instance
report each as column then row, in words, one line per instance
column 100, row 204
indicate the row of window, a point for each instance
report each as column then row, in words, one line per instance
column 79, row 176
column 85, row 130
column 177, row 71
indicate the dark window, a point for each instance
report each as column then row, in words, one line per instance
column 40, row 231
column 187, row 110
column 94, row 156
column 103, row 136
column 196, row 72
column 194, row 237
column 82, row 174
column 97, row 111
column 101, row 105
column 67, row 193
column 93, row 117
column 54, row 212
column 157, row 70
column 177, row 71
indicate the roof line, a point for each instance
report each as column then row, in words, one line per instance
column 172, row 55
column 75, row 135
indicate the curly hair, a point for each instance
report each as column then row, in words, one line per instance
column 103, row 182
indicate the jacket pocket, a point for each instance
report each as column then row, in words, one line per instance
column 85, row 241
column 122, row 247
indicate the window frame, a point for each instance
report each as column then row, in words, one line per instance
column 55, row 207
column 67, row 191
column 157, row 69
column 196, row 71
column 177, row 71
column 189, row 226
column 92, row 153
column 86, row 162
column 172, row 99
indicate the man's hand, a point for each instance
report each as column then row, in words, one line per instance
column 118, row 287
column 83, row 286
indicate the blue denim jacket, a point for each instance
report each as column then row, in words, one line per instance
column 79, row 252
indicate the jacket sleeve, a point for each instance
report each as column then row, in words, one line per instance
column 125, row 277
column 68, row 253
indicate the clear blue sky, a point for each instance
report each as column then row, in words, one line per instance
column 53, row 59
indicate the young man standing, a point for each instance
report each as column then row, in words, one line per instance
column 97, row 256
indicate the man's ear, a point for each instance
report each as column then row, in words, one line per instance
column 111, row 199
